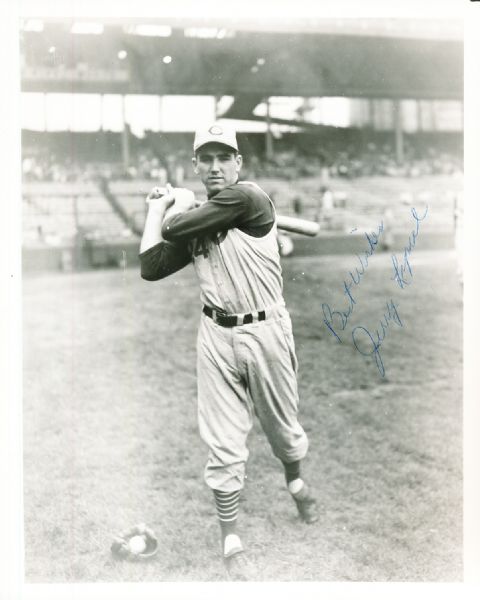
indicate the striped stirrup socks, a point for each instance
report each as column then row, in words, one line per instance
column 227, row 505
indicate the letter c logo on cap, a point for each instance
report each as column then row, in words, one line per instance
column 215, row 130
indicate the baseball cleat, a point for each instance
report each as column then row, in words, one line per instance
column 238, row 567
column 306, row 505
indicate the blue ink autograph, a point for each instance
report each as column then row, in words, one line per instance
column 355, row 279
column 402, row 272
column 361, row 336
column 365, row 342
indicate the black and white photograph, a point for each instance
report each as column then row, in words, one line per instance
column 242, row 298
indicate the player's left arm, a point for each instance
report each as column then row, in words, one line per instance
column 224, row 211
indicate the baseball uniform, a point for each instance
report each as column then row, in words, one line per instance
column 246, row 360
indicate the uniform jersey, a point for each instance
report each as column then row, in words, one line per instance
column 243, row 370
column 232, row 242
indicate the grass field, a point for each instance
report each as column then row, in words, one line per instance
column 110, row 435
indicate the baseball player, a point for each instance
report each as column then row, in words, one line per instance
column 246, row 362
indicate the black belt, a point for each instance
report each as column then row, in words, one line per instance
column 225, row 320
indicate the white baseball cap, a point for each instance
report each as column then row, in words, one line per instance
column 220, row 134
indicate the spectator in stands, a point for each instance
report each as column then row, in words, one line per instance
column 297, row 205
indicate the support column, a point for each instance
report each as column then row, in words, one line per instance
column 160, row 113
column 101, row 128
column 268, row 135
column 125, row 138
column 45, row 112
column 371, row 113
column 419, row 116
column 103, row 133
column 397, row 115
column 434, row 115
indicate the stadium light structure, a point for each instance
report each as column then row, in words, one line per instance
column 87, row 28
column 256, row 67
column 148, row 30
column 167, row 59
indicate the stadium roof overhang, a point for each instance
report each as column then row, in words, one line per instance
column 248, row 65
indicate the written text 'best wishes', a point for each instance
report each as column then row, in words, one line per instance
column 336, row 319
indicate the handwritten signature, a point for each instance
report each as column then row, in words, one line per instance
column 364, row 341
column 354, row 280
column 402, row 272
column 361, row 336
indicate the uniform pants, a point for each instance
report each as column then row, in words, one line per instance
column 241, row 371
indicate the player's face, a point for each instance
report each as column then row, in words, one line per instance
column 218, row 166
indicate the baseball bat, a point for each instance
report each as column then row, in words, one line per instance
column 296, row 225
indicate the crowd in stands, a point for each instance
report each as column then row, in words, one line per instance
column 350, row 162
column 381, row 160
column 373, row 160
column 49, row 167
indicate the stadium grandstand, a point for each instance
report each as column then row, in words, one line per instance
column 340, row 120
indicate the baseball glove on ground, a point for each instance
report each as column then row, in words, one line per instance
column 136, row 544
